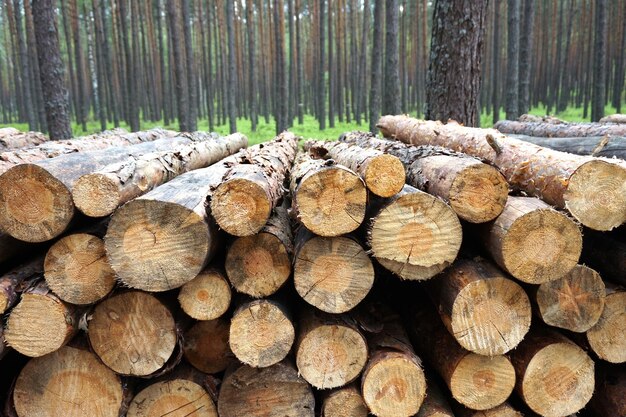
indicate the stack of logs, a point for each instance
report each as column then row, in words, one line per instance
column 165, row 274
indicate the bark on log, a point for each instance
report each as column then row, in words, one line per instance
column 532, row 241
column 606, row 254
column 19, row 140
column 207, row 296
column 133, row 333
column 276, row 391
column 8, row 131
column 259, row 265
column 206, row 346
column 261, row 333
column 243, row 203
column 592, row 189
column 36, row 198
column 560, row 130
column 414, row 234
column 344, row 402
column 77, row 271
column 476, row 191
column 13, row 282
column 614, row 118
column 538, row 119
column 333, row 274
column 435, row 403
column 606, row 338
column 486, row 312
column 328, row 199
column 40, row 323
column 555, row 378
column 98, row 194
column 331, row 351
column 609, row 397
column 383, row 174
column 602, row 146
column 503, row 410
column 69, row 382
column 573, row 302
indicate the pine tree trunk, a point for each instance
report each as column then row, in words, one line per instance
column 27, row 87
column 599, row 60
column 512, row 59
column 391, row 87
column 182, row 90
column 377, row 65
column 232, row 79
column 192, row 117
column 525, row 54
column 495, row 66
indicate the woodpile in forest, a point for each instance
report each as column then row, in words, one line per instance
column 443, row 273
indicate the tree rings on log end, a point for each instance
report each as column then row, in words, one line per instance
column 176, row 398
column 385, row 175
column 206, row 297
column 96, row 195
column 241, row 207
column 478, row 193
column 608, row 337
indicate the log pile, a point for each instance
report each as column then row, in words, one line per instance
column 436, row 277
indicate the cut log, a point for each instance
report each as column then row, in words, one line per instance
column 261, row 333
column 538, row 119
column 532, row 241
column 435, row 403
column 40, row 323
column 19, row 140
column 206, row 346
column 606, row 146
column 383, row 174
column 207, row 296
column 133, row 333
column 592, row 189
column 98, row 194
column 333, row 274
column 555, row 377
column 259, row 265
column 573, row 302
column 331, row 351
column 8, row 131
column 605, row 253
column 560, row 130
column 70, row 382
column 486, row 312
column 414, row 234
column 476, row 191
column 243, row 202
column 276, row 391
column 614, row 118
column 17, row 280
column 77, row 270
column 476, row 381
column 503, row 410
column 607, row 338
column 609, row 397
column 4, row 349
column 328, row 199
column 344, row 402
column 36, row 200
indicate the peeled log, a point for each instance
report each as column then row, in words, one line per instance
column 475, row 191
column 560, row 130
column 242, row 204
column 414, row 234
column 207, row 296
column 328, row 199
column 260, row 264
column 606, row 146
column 13, row 282
column 206, row 346
column 573, row 302
column 133, row 333
column 609, row 397
column 98, row 194
column 532, row 241
column 383, row 174
column 19, row 140
column 614, row 118
column 261, row 333
column 70, row 382
column 276, row 391
column 607, row 338
column 555, row 378
column 344, row 402
column 333, row 274
column 606, row 254
column 592, row 189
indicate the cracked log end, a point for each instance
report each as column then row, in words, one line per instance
column 96, row 195
column 241, row 207
column 177, row 397
column 385, row 175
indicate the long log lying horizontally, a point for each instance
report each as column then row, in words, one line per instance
column 19, row 140
column 476, row 191
column 562, row 130
column 592, row 189
column 606, row 146
column 614, row 118
column 8, row 131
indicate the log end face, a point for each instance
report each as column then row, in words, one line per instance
column 206, row 346
column 385, row 175
column 606, row 338
column 345, row 402
column 175, row 397
column 35, row 206
column 96, row 195
column 206, row 297
column 479, row 193
column 240, row 207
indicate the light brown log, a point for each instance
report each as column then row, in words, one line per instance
column 133, row 333
column 606, row 146
column 70, row 382
column 206, row 346
column 207, row 296
column 77, row 270
column 503, row 410
column 36, row 198
column 13, row 282
column 605, row 253
column 475, row 191
column 8, row 131
column 563, row 130
column 539, row 119
column 614, row 118
column 259, row 265
column 328, row 199
column 383, row 174
column 98, row 194
column 592, row 189
column 609, row 397
column 261, row 333
column 331, row 351
column 573, row 302
column 242, row 204
column 276, row 391
column 344, row 402
column 40, row 323
column 532, row 241
column 555, row 378
column 608, row 337
column 19, row 140
column 435, row 403
column 414, row 234
column 333, row 274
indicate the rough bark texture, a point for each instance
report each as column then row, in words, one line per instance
column 7, row 132
column 377, row 64
column 206, row 346
column 13, row 282
column 21, row 140
column 512, row 58
column 606, row 254
column 456, row 49
column 606, row 338
column 607, row 146
column 560, row 130
column 207, row 296
column 391, row 79
column 525, row 53
column 598, row 98
column 592, row 189
column 614, row 118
